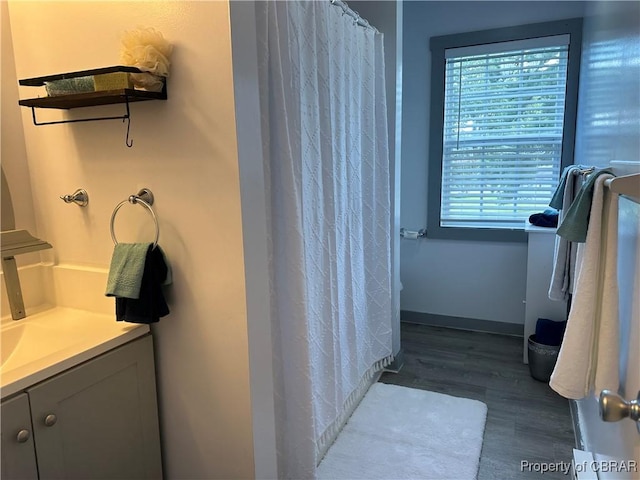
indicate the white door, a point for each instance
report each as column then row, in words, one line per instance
column 616, row 445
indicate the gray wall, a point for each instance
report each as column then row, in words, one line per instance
column 478, row 280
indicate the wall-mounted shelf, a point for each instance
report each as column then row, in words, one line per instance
column 92, row 98
column 89, row 99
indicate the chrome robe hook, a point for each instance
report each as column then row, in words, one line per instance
column 80, row 197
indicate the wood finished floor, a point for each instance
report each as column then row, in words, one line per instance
column 526, row 420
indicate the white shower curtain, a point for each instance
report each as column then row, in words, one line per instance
column 327, row 174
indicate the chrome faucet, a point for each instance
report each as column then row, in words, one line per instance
column 14, row 242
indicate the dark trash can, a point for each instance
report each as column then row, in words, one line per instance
column 542, row 359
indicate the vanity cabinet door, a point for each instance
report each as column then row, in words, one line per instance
column 18, row 454
column 100, row 420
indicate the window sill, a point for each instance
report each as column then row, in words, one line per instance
column 478, row 234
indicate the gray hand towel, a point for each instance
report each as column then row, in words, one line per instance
column 558, row 198
column 564, row 257
column 576, row 220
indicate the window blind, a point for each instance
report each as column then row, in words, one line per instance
column 503, row 127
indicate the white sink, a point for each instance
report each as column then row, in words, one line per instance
column 25, row 341
column 9, row 340
column 53, row 340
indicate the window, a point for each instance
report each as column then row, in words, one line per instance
column 503, row 121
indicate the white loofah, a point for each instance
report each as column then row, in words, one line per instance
column 146, row 49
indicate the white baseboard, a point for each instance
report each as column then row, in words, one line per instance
column 583, row 463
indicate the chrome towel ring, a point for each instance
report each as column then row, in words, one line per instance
column 145, row 198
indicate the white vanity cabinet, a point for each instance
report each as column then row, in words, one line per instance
column 98, row 420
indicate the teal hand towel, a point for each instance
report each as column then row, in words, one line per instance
column 557, row 200
column 127, row 267
column 576, row 220
column 558, row 196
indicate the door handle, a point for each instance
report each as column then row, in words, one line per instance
column 614, row 408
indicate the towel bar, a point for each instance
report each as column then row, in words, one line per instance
column 627, row 185
column 145, row 198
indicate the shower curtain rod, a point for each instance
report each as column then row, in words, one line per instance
column 356, row 17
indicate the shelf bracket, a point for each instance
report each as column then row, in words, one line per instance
column 125, row 118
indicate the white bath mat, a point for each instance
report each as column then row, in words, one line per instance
column 402, row 433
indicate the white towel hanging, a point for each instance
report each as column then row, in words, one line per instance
column 588, row 358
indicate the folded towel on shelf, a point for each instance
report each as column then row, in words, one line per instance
column 151, row 304
column 564, row 255
column 547, row 219
column 589, row 355
column 126, row 270
column 576, row 219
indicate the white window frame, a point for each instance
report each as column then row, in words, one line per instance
column 443, row 46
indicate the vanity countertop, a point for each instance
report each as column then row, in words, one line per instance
column 55, row 339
